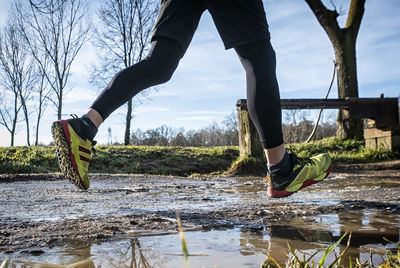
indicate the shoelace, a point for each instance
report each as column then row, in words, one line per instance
column 299, row 161
column 305, row 161
column 93, row 142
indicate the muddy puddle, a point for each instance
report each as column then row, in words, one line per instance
column 245, row 246
column 124, row 220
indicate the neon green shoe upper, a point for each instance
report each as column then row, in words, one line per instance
column 315, row 170
column 82, row 151
column 74, row 153
column 306, row 171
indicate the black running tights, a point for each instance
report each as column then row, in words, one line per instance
column 258, row 59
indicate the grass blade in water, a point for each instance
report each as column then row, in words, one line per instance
column 5, row 263
column 183, row 241
column 329, row 250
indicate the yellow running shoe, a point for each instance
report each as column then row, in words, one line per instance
column 74, row 152
column 306, row 172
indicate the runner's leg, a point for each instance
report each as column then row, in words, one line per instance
column 176, row 23
column 242, row 25
column 263, row 100
column 156, row 68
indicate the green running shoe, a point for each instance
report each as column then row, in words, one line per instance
column 306, row 171
column 74, row 152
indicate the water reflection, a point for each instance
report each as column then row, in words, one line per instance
column 236, row 247
column 370, row 233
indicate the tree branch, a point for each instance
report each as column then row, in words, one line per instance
column 355, row 15
column 327, row 18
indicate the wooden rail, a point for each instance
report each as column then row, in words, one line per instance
column 381, row 130
column 383, row 110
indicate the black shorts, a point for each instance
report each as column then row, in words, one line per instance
column 238, row 22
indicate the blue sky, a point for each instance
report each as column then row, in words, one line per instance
column 210, row 79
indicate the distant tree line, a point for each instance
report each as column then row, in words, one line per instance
column 297, row 127
column 216, row 134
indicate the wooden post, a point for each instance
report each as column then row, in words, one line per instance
column 249, row 141
column 376, row 138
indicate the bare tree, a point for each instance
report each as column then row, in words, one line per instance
column 297, row 126
column 9, row 109
column 16, row 73
column 41, row 90
column 42, row 96
column 55, row 31
column 230, row 123
column 123, row 36
column 344, row 44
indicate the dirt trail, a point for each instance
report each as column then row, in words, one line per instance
column 40, row 211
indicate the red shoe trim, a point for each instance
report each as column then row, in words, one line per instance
column 278, row 194
column 64, row 124
column 275, row 193
column 84, row 158
column 83, row 149
column 308, row 183
column 329, row 170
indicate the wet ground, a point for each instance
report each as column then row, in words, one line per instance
column 126, row 219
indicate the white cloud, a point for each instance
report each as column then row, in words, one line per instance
column 193, row 118
column 4, row 5
column 150, row 109
column 207, row 112
column 82, row 64
column 78, row 94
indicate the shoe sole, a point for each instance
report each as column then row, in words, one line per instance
column 61, row 136
column 279, row 194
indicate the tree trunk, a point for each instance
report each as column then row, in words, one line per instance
column 128, row 123
column 27, row 129
column 26, row 115
column 37, row 133
column 344, row 43
column 37, row 125
column 12, row 132
column 345, row 53
column 12, row 138
column 59, row 106
column 15, row 120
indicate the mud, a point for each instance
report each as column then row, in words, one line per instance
column 45, row 211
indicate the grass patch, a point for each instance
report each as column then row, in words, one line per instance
column 182, row 161
column 247, row 165
column 34, row 159
column 343, row 151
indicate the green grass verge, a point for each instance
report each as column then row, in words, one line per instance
column 182, row 161
column 344, row 151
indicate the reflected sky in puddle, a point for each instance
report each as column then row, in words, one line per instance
column 242, row 246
